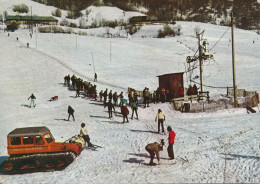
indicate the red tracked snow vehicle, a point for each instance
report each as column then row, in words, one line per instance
column 33, row 149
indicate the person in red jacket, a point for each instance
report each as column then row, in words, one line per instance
column 124, row 112
column 171, row 142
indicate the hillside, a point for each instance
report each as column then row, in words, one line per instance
column 246, row 13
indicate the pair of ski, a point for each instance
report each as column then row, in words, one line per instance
column 154, row 164
column 93, row 147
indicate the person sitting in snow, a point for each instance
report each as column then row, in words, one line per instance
column 54, row 98
column 32, row 97
column 84, row 135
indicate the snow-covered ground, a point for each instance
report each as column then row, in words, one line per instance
column 220, row 147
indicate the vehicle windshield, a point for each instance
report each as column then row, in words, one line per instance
column 48, row 138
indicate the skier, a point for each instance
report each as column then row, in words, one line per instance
column 32, row 97
column 154, row 97
column 136, row 97
column 110, row 95
column 77, row 93
column 171, row 142
column 71, row 112
column 121, row 96
column 161, row 117
column 181, row 92
column 124, row 112
column 134, row 109
column 95, row 77
column 84, row 135
column 158, row 95
column 122, row 101
column 68, row 79
column 115, row 98
column 154, row 149
column 163, row 97
column 146, row 97
column 110, row 106
column 100, row 95
column 105, row 96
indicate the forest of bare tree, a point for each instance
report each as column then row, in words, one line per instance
column 246, row 12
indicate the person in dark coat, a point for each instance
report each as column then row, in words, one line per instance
column 121, row 96
column 115, row 98
column 32, row 97
column 136, row 97
column 154, row 149
column 158, row 95
column 95, row 77
column 134, row 109
column 105, row 96
column 68, row 79
column 110, row 95
column 124, row 112
column 146, row 97
column 110, row 106
column 100, row 95
column 71, row 112
column 77, row 93
column 171, row 139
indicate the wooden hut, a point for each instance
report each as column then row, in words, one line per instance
column 172, row 83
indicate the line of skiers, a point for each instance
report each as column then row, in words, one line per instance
column 122, row 104
column 79, row 85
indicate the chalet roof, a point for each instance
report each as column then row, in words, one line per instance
column 170, row 74
column 28, row 18
column 28, row 131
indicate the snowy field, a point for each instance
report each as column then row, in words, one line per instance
column 220, row 147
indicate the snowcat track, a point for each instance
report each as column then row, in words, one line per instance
column 37, row 163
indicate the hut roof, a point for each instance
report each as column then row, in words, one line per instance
column 170, row 74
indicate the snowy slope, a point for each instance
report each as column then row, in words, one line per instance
column 108, row 13
column 221, row 147
column 215, row 144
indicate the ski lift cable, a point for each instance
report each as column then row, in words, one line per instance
column 219, row 39
column 220, row 68
column 210, row 86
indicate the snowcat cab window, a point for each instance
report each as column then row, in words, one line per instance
column 39, row 140
column 48, row 138
column 15, row 141
column 28, row 140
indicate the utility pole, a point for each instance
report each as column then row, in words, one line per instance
column 199, row 35
column 234, row 63
column 93, row 63
column 110, row 52
column 36, row 35
column 31, row 20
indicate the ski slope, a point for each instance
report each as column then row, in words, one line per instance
column 219, row 147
